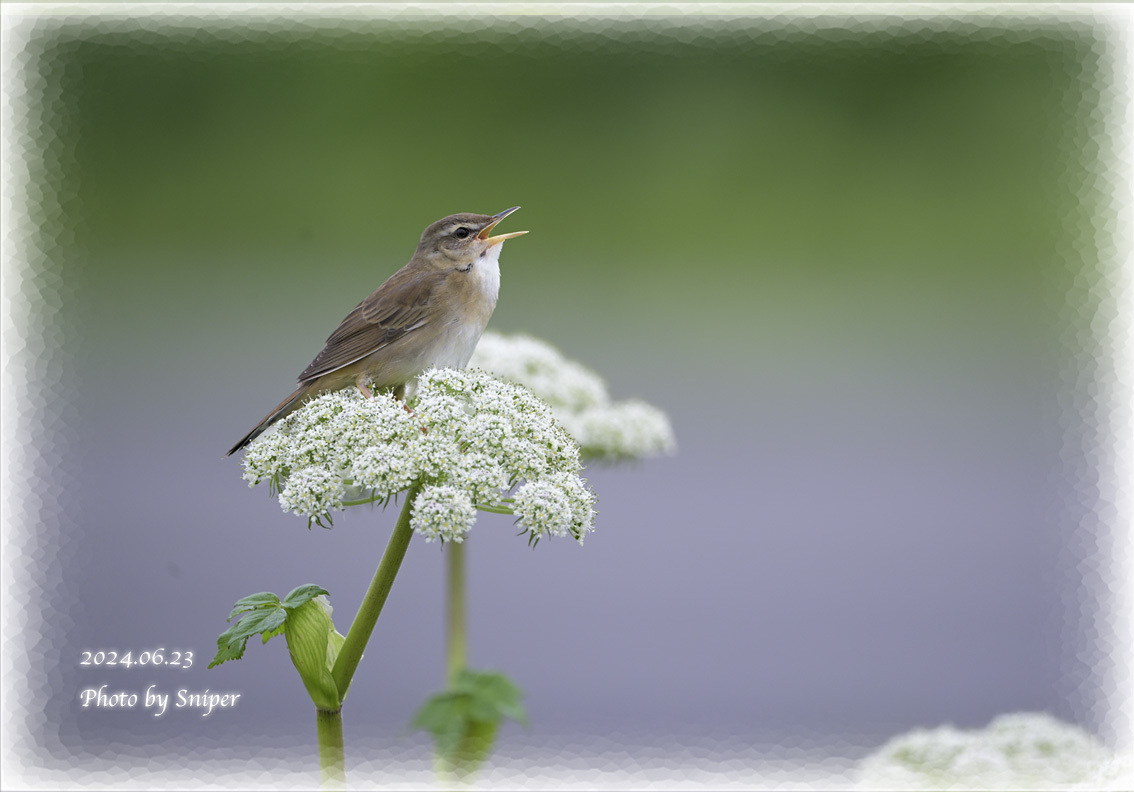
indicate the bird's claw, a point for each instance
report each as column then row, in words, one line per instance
column 363, row 385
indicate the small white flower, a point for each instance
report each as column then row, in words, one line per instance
column 313, row 492
column 442, row 401
column 442, row 511
column 482, row 476
column 630, row 429
column 515, row 427
column 613, row 431
column 385, row 468
column 381, row 420
column 267, row 458
column 1016, row 751
column 580, row 499
column 543, row 508
column 468, row 438
column 539, row 366
column 558, row 505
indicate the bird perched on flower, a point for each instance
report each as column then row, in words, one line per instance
column 429, row 314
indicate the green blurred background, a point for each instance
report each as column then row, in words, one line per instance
column 692, row 194
column 857, row 264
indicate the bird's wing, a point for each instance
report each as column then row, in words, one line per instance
column 399, row 306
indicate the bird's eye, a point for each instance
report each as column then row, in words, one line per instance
column 461, row 232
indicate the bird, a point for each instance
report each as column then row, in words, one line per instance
column 429, row 314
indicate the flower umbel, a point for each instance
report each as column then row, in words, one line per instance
column 468, row 438
column 1015, row 751
column 606, row 430
column 443, row 511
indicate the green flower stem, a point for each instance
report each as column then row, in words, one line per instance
column 370, row 499
column 363, row 501
column 499, row 509
column 371, row 607
column 495, row 509
column 332, row 761
column 457, row 657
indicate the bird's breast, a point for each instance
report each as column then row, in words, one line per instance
column 485, row 274
column 477, row 293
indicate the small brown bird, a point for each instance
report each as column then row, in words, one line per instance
column 430, row 313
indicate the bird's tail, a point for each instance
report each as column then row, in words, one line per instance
column 282, row 409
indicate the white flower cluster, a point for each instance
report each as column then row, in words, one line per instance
column 603, row 429
column 468, row 438
column 1016, row 751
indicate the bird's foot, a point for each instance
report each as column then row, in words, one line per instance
column 361, row 381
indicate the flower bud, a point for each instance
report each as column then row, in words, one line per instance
column 314, row 644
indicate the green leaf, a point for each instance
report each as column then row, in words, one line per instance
column 261, row 614
column 301, row 594
column 494, row 693
column 464, row 719
column 268, row 635
column 264, row 599
column 227, row 648
column 445, row 716
column 231, row 642
column 257, row 622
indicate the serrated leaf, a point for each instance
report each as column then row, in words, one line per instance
column 270, row 634
column 228, row 649
column 264, row 599
column 258, row 621
column 301, row 594
column 232, row 642
column 263, row 614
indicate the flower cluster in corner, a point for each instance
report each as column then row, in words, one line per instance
column 604, row 430
column 1015, row 751
column 474, row 442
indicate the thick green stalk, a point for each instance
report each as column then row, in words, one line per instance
column 371, row 607
column 332, row 760
column 457, row 656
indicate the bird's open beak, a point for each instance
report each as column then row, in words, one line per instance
column 496, row 240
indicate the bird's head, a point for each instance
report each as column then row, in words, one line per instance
column 457, row 241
